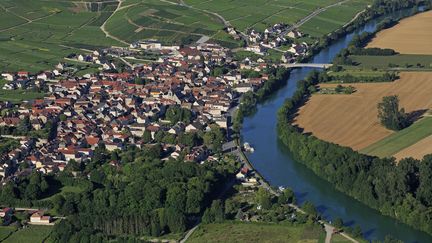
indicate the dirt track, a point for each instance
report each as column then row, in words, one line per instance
column 411, row 36
column 351, row 120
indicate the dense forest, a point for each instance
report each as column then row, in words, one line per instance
column 401, row 190
column 129, row 194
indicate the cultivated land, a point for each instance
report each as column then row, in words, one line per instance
column 257, row 232
column 37, row 34
column 401, row 61
column 409, row 142
column 33, row 233
column 351, row 120
column 411, row 36
column 259, row 14
column 417, row 151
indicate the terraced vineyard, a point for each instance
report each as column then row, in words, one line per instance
column 35, row 34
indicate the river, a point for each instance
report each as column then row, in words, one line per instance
column 273, row 161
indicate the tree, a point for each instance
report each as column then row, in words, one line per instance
column 147, row 137
column 390, row 115
column 263, row 198
column 310, row 209
column 357, row 231
column 338, row 223
column 424, row 191
column 287, row 196
column 214, row 214
column 24, row 126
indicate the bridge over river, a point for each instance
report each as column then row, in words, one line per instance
column 312, row 65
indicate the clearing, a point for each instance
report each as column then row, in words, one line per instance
column 412, row 35
column 257, row 232
column 351, row 120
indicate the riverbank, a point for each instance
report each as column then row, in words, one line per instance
column 275, row 163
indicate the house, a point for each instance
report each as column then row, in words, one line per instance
column 39, row 218
column 244, row 88
column 8, row 76
column 6, row 212
column 295, row 34
column 150, row 45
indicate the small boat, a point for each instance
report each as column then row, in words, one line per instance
column 281, row 188
column 248, row 148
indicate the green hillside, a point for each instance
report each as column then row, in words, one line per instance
column 36, row 34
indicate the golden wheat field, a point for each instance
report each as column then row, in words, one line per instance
column 351, row 120
column 417, row 151
column 412, row 35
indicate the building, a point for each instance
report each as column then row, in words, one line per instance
column 39, row 218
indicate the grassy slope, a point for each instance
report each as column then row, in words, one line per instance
column 400, row 140
column 256, row 232
column 33, row 38
column 5, row 231
column 33, row 233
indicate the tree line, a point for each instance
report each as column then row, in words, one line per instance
column 401, row 190
column 377, row 9
column 129, row 193
column 278, row 78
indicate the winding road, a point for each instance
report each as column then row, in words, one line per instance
column 107, row 34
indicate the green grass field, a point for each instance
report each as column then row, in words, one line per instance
column 403, row 61
column 339, row 239
column 5, row 231
column 33, row 233
column 402, row 139
column 259, row 14
column 17, row 95
column 37, row 34
column 256, row 232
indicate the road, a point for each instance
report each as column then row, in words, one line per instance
column 310, row 16
column 329, row 232
column 107, row 34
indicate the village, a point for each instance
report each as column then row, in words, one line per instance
column 185, row 90
column 184, row 93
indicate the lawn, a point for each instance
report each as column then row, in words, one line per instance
column 400, row 140
column 33, row 233
column 17, row 96
column 256, row 232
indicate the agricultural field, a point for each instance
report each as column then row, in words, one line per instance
column 259, row 14
column 33, row 233
column 411, row 36
column 333, row 18
column 351, row 120
column 396, row 62
column 6, row 231
column 413, row 141
column 35, row 35
column 169, row 22
column 256, row 232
